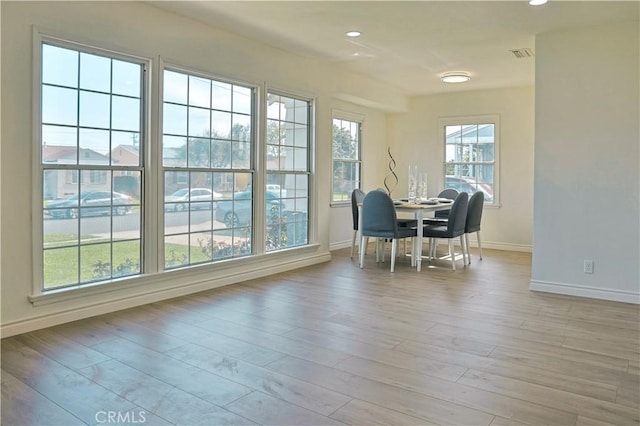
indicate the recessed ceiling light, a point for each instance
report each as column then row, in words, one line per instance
column 455, row 77
column 353, row 34
column 537, row 2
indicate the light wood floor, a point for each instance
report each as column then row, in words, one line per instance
column 333, row 344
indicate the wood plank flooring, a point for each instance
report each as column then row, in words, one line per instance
column 333, row 344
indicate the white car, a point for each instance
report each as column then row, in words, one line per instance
column 196, row 198
column 272, row 187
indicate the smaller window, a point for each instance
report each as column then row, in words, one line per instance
column 347, row 161
column 72, row 176
column 97, row 177
column 288, row 177
column 182, row 178
column 470, row 163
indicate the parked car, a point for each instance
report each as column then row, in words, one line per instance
column 468, row 185
column 237, row 211
column 90, row 203
column 272, row 187
column 200, row 198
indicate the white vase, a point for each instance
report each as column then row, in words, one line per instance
column 422, row 186
column 412, row 180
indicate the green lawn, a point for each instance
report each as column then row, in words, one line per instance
column 61, row 261
column 341, row 196
column 66, row 262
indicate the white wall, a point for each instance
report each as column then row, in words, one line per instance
column 144, row 30
column 415, row 139
column 587, row 173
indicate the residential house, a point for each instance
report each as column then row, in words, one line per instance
column 126, row 182
column 62, row 184
column 126, row 154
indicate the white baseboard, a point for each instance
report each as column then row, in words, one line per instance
column 583, row 291
column 340, row 245
column 196, row 285
column 527, row 248
column 495, row 245
column 485, row 244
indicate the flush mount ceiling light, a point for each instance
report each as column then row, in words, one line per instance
column 353, row 34
column 455, row 77
column 537, row 2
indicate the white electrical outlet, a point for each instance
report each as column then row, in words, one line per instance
column 588, row 266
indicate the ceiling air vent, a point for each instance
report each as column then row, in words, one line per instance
column 522, row 53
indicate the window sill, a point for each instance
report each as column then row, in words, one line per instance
column 171, row 281
column 340, row 204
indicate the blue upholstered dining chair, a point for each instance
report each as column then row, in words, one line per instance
column 379, row 220
column 356, row 197
column 454, row 227
column 440, row 216
column 402, row 223
column 474, row 217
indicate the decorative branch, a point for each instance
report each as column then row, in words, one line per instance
column 391, row 179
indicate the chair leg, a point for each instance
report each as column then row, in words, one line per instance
column 465, row 250
column 394, row 249
column 433, row 247
column 452, row 253
column 380, row 247
column 363, row 244
column 353, row 243
column 466, row 242
column 479, row 244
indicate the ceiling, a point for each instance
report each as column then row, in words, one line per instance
column 410, row 44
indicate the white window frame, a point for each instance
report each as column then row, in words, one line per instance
column 40, row 38
column 152, row 221
column 309, row 172
column 183, row 172
column 471, row 120
column 360, row 120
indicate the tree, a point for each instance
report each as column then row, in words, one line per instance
column 214, row 150
column 275, row 134
column 199, row 152
column 344, row 144
column 345, row 147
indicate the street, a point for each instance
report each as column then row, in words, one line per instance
column 175, row 222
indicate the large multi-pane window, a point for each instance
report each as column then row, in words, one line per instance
column 346, row 159
column 92, row 150
column 288, row 165
column 470, row 157
column 91, row 104
column 207, row 151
